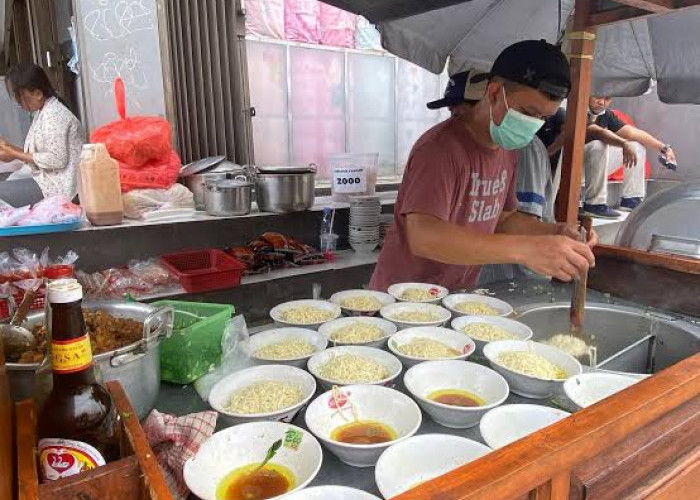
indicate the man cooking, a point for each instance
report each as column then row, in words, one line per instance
column 456, row 205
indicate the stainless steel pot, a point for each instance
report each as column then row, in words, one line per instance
column 628, row 339
column 285, row 189
column 136, row 366
column 228, row 197
column 197, row 182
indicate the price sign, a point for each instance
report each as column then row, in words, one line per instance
column 349, row 180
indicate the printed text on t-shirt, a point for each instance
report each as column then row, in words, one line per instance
column 485, row 197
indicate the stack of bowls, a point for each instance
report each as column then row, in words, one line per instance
column 365, row 212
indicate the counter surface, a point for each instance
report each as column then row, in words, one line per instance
column 180, row 400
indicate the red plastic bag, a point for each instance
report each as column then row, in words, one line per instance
column 157, row 174
column 136, row 140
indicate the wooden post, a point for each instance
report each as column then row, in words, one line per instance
column 581, row 60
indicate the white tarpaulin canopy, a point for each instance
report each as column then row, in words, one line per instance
column 470, row 34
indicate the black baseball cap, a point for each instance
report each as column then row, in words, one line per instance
column 537, row 64
column 462, row 87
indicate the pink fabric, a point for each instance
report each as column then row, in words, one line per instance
column 265, row 18
column 453, row 178
column 337, row 26
column 302, row 21
column 175, row 440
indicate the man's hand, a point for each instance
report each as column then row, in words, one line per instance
column 671, row 156
column 558, row 256
column 629, row 155
column 571, row 230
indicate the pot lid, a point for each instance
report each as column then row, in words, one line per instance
column 308, row 169
column 201, row 165
column 227, row 166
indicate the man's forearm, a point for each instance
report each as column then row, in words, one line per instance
column 519, row 223
column 433, row 238
column 595, row 132
column 642, row 137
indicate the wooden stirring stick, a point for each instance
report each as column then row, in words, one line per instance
column 578, row 297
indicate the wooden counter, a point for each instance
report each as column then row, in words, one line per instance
column 641, row 443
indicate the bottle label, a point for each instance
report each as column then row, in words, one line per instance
column 59, row 458
column 70, row 356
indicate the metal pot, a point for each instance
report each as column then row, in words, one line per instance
column 136, row 366
column 197, row 182
column 628, row 339
column 285, row 189
column 228, row 197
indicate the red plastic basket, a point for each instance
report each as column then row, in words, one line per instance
column 204, row 270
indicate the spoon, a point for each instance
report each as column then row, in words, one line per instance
column 15, row 338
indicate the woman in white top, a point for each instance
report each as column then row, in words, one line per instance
column 53, row 144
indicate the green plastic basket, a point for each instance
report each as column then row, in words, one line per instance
column 195, row 345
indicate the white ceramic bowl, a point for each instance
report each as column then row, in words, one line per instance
column 389, row 312
column 587, row 389
column 387, row 327
column 525, row 385
column 416, row 460
column 440, row 292
column 508, row 423
column 221, row 393
column 518, row 329
column 338, row 298
column 330, row 493
column 391, row 362
column 245, row 444
column 267, row 337
column 503, row 308
column 431, row 376
column 458, row 341
column 277, row 311
column 370, row 402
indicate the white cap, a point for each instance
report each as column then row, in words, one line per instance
column 64, row 291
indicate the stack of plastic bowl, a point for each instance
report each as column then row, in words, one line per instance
column 365, row 212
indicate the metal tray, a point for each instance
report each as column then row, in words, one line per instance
column 676, row 245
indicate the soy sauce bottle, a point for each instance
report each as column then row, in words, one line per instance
column 77, row 423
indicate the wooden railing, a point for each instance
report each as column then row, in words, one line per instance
column 566, row 459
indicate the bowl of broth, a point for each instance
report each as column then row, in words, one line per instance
column 358, row 422
column 228, row 465
column 455, row 394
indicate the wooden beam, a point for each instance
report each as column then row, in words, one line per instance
column 616, row 15
column 629, row 12
column 581, row 60
column 658, row 6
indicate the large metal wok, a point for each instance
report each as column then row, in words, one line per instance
column 136, row 366
column 628, row 339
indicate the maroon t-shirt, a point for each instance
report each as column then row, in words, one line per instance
column 452, row 177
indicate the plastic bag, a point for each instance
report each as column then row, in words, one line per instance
column 337, row 27
column 302, row 21
column 141, row 201
column 135, row 140
column 10, row 216
column 156, row 174
column 233, row 357
column 265, row 18
column 152, row 272
column 53, row 210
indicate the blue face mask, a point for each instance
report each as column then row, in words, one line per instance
column 516, row 130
